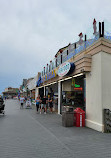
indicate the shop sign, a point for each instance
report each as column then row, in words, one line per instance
column 76, row 86
column 39, row 82
column 66, row 68
column 49, row 76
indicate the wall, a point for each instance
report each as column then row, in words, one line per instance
column 93, row 95
column 106, row 80
column 98, row 90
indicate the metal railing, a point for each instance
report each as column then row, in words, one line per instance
column 73, row 49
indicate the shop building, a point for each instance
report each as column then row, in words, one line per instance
column 81, row 75
column 10, row 92
column 31, row 85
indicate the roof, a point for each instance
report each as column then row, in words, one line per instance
column 9, row 92
column 61, row 49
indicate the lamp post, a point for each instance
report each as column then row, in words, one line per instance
column 61, row 55
column 50, row 65
column 27, row 91
column 44, row 70
column 56, row 60
column 47, row 69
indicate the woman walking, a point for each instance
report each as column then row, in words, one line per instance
column 37, row 104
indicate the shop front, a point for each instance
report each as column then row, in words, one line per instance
column 73, row 92
column 47, row 85
column 52, row 92
column 83, row 79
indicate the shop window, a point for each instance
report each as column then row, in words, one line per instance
column 75, row 97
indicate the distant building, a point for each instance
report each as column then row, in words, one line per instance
column 10, row 92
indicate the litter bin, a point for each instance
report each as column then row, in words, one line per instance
column 79, row 117
column 67, row 116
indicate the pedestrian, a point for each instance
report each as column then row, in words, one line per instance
column 21, row 102
column 1, row 100
column 43, row 104
column 2, row 105
column 37, row 103
column 51, row 104
column 40, row 101
column 25, row 98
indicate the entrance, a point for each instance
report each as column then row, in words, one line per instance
column 52, row 92
column 74, row 92
column 41, row 92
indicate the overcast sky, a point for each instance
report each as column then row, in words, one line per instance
column 32, row 31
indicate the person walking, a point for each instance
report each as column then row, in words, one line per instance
column 37, row 103
column 51, row 104
column 21, row 102
column 1, row 100
column 2, row 105
column 43, row 104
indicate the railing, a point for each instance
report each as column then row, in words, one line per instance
column 93, row 34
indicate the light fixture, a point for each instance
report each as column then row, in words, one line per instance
column 50, row 84
column 65, row 79
column 41, row 87
column 78, row 75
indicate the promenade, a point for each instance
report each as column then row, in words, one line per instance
column 26, row 134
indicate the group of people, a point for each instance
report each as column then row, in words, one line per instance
column 23, row 100
column 42, row 104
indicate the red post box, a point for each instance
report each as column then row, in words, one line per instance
column 79, row 117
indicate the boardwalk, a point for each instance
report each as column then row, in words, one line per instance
column 25, row 134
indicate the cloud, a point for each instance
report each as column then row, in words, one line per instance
column 32, row 31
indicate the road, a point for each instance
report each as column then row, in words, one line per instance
column 26, row 134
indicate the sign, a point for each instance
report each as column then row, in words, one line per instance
column 49, row 76
column 39, row 82
column 66, row 68
column 77, row 87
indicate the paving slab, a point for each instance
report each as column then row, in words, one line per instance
column 26, row 134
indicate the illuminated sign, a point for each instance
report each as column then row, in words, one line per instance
column 66, row 68
column 80, row 88
column 76, row 86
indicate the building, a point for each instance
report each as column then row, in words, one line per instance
column 80, row 77
column 10, row 92
column 31, row 85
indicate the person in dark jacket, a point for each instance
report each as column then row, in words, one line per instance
column 51, row 104
column 43, row 104
column 1, row 103
column 1, row 100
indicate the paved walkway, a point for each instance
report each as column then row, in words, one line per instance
column 26, row 134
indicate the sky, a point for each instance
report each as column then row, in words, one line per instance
column 32, row 31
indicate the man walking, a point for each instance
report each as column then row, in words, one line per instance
column 43, row 104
